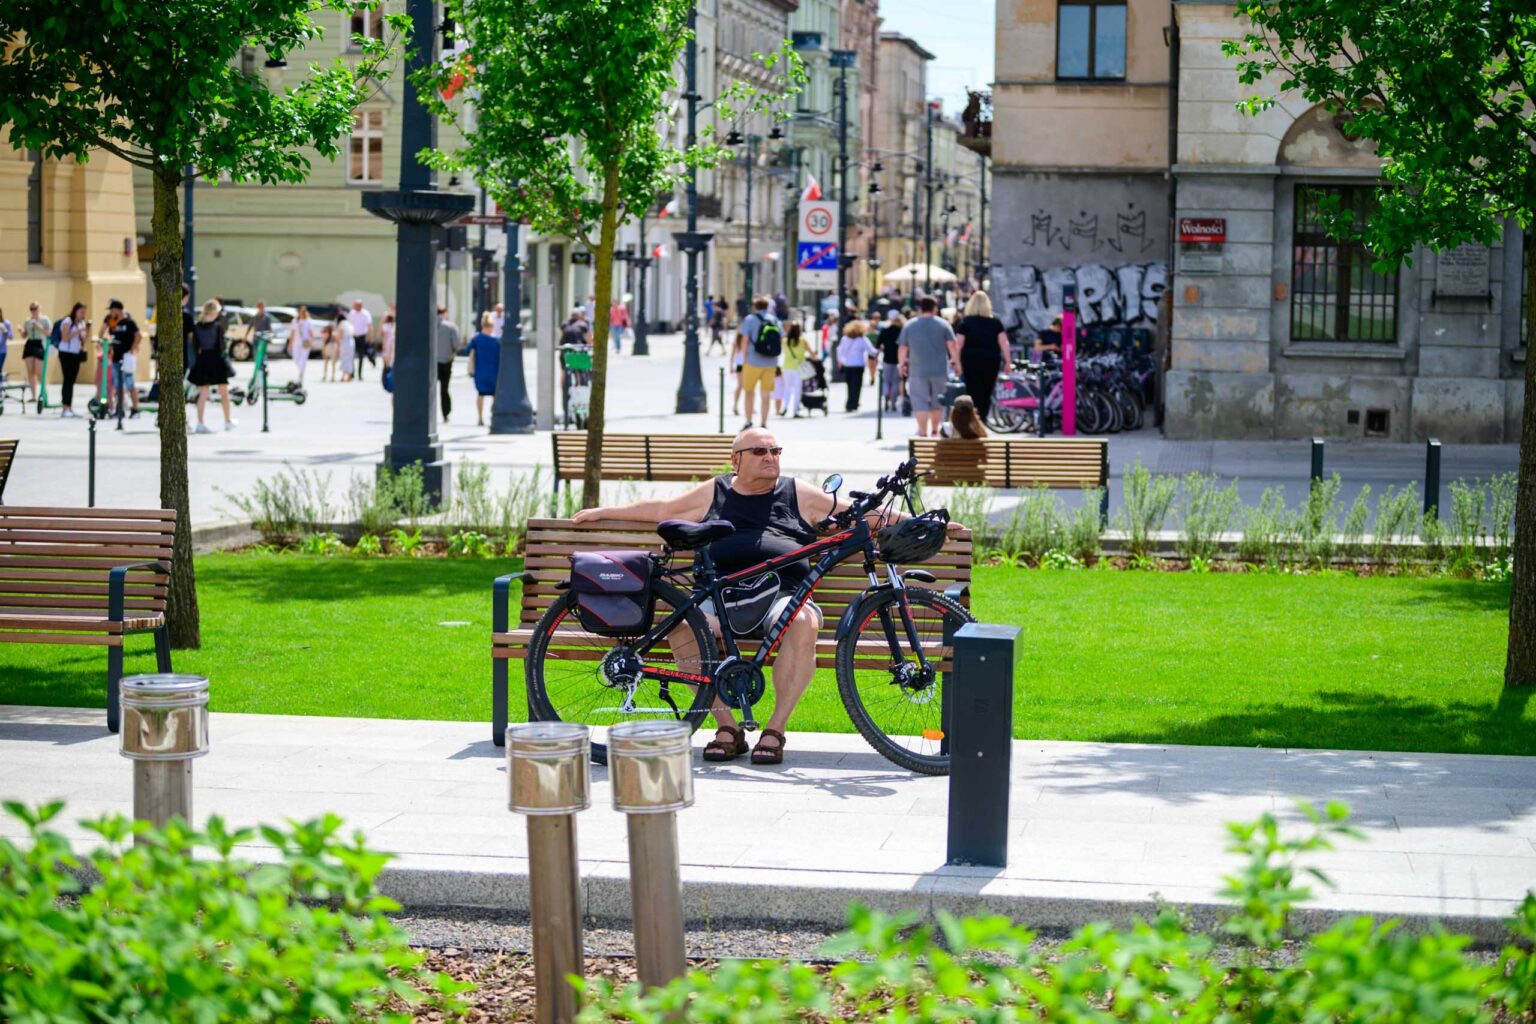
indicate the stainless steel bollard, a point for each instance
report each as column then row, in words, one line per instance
column 652, row 772
column 165, row 726
column 549, row 782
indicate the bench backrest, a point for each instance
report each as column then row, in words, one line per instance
column 1065, row 462
column 61, row 557
column 551, row 542
column 672, row 457
column 7, row 456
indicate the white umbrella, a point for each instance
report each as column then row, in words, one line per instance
column 919, row 272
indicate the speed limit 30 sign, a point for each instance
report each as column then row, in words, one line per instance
column 816, row 263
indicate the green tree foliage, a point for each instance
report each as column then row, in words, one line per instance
column 574, row 103
column 1445, row 92
column 160, row 84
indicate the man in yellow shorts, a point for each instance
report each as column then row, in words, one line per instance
column 759, row 348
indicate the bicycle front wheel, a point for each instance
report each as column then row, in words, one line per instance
column 891, row 699
column 576, row 676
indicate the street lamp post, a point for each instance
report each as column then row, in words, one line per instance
column 642, row 261
column 419, row 211
column 511, row 412
column 746, row 262
column 981, row 260
column 928, row 210
column 842, row 59
column 691, row 397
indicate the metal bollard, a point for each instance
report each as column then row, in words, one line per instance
column 722, row 399
column 981, row 745
column 652, row 774
column 1432, row 477
column 264, row 428
column 549, row 782
column 165, row 726
column 1317, row 461
column 879, row 401
column 90, row 476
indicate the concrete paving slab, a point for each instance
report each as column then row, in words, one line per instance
column 1096, row 831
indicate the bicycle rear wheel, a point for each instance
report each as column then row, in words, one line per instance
column 893, row 703
column 576, row 676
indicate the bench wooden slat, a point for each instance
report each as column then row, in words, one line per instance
column 88, row 639
column 1063, row 462
column 653, row 457
column 155, row 514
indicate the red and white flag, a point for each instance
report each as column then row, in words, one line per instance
column 965, row 236
column 812, row 191
column 660, row 252
column 670, row 209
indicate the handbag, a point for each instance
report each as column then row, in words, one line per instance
column 613, row 591
column 748, row 603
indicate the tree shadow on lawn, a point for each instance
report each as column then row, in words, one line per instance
column 79, row 682
column 282, row 579
column 1471, row 595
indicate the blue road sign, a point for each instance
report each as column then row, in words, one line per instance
column 817, row 256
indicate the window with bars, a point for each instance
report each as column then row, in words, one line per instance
column 1090, row 39
column 35, row 208
column 365, row 163
column 364, row 22
column 1336, row 295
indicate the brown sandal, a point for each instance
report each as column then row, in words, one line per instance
column 769, row 755
column 716, row 750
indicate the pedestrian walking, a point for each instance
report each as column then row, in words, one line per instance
column 926, row 348
column 759, row 346
column 498, row 320
column 717, row 326
column 387, row 339
column 618, row 323
column 35, row 333
column 983, row 350
column 300, row 339
column 484, row 351
column 210, row 367
column 447, row 347
column 124, row 334
column 72, row 335
column 890, row 359
column 361, row 322
column 346, row 346
column 261, row 324
column 791, row 382
column 329, row 347
column 781, row 307
column 7, row 332
column 854, row 352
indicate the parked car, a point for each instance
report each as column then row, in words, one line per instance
column 237, row 331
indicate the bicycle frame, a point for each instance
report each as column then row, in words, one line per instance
column 709, row 585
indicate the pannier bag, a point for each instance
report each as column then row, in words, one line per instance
column 613, row 591
column 748, row 603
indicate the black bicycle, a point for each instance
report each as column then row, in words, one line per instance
column 629, row 637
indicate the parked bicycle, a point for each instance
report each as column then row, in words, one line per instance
column 628, row 637
column 575, row 384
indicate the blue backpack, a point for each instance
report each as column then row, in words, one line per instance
column 58, row 332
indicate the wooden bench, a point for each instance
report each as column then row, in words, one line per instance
column 86, row 576
column 1060, row 462
column 666, row 457
column 7, row 456
column 547, row 563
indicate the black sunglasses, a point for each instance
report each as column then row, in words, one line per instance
column 760, row 451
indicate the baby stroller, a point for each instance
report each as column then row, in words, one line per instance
column 813, row 393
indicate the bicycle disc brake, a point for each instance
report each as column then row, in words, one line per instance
column 739, row 683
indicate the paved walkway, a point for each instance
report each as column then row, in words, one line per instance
column 342, row 430
column 1097, row 831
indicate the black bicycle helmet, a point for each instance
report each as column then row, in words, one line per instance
column 914, row 540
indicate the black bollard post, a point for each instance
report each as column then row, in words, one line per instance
column 264, row 428
column 90, row 476
column 879, row 402
column 1317, row 460
column 722, row 399
column 1432, row 478
column 980, row 747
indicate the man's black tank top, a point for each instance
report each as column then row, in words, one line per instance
column 767, row 525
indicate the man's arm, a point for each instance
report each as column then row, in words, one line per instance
column 691, row 504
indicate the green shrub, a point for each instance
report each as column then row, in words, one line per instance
column 1432, row 535
column 986, row 969
column 294, row 501
column 1206, row 512
column 403, row 543
column 1148, row 499
column 472, row 507
column 1059, row 560
column 564, row 503
column 518, row 504
column 1084, row 530
column 368, row 545
column 1035, row 527
column 1502, row 491
column 1397, row 521
column 1264, row 528
column 1352, row 542
column 1319, row 520
column 469, row 544
column 382, row 501
column 178, row 929
column 972, row 506
column 322, row 544
column 1465, row 529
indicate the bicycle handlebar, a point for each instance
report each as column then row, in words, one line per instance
column 863, row 503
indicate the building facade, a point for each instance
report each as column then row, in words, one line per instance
column 1124, row 168
column 66, row 236
column 897, row 152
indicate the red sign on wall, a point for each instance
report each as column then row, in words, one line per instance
column 1202, row 229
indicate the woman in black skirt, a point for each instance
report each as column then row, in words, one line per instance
column 210, row 367
column 983, row 350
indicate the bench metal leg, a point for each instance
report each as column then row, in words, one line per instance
column 498, row 701
column 163, row 649
column 114, row 677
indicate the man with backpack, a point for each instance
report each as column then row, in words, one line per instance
column 759, row 346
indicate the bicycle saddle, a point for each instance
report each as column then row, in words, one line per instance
column 686, row 535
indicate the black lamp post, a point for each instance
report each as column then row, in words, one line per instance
column 691, row 396
column 511, row 412
column 842, row 60
column 419, row 211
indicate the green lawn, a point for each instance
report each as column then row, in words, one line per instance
column 1271, row 660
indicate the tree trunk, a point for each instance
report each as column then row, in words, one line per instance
column 602, row 308
column 1520, row 664
column 181, row 603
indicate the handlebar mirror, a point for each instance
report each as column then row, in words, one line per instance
column 833, row 483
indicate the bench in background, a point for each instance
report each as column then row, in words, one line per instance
column 666, row 457
column 1059, row 462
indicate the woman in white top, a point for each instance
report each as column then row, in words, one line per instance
column 299, row 340
column 387, row 338
column 346, row 345
column 72, row 338
column 853, row 353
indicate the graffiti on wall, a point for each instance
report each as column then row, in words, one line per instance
column 1086, row 233
column 1030, row 298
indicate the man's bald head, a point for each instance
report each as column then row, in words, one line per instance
column 753, row 456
